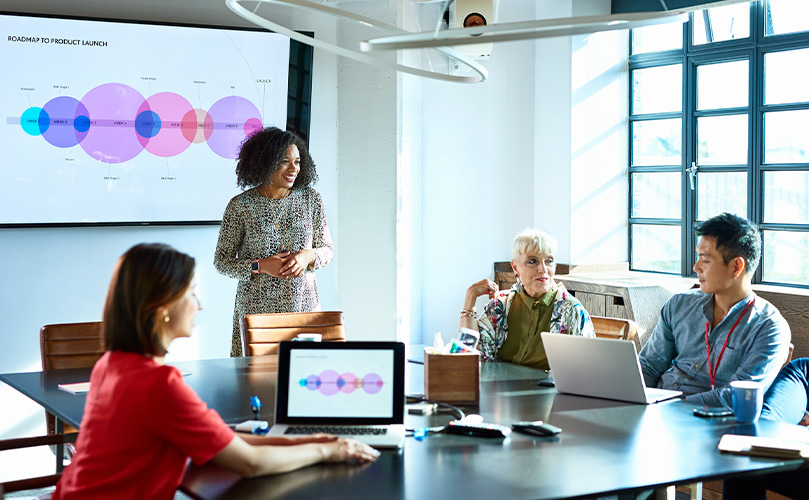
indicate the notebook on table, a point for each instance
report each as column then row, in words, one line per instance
column 601, row 368
column 352, row 389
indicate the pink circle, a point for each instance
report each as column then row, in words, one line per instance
column 350, row 383
column 252, row 126
column 172, row 109
column 328, row 385
column 112, row 109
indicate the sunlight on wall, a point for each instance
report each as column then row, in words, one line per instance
column 599, row 185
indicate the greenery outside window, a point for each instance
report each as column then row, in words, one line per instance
column 719, row 121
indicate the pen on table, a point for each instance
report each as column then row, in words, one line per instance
column 255, row 405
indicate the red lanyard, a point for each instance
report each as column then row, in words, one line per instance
column 712, row 370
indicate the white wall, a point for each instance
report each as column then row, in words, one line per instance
column 541, row 143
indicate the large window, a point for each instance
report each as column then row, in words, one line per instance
column 719, row 120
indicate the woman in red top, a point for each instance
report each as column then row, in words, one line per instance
column 141, row 421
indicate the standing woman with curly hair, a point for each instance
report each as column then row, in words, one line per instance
column 274, row 234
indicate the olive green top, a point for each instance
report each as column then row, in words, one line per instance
column 528, row 318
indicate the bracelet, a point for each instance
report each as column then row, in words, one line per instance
column 466, row 313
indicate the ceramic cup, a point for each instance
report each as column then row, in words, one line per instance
column 309, row 337
column 748, row 398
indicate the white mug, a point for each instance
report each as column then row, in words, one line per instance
column 309, row 337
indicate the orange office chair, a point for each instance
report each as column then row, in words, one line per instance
column 261, row 333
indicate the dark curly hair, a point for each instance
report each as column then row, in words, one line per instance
column 261, row 154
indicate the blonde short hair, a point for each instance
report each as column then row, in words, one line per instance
column 533, row 241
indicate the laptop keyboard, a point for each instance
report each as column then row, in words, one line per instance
column 343, row 430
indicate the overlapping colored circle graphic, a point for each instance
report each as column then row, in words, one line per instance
column 113, row 123
column 330, row 383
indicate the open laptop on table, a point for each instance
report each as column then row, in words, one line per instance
column 352, row 389
column 601, row 368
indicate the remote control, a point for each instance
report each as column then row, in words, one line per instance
column 537, row 428
column 478, row 430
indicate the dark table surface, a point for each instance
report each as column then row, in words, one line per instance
column 605, row 447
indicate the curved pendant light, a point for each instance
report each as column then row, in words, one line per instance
column 480, row 72
column 522, row 30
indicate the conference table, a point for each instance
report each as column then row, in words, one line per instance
column 605, row 448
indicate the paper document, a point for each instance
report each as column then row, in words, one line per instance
column 763, row 447
column 77, row 388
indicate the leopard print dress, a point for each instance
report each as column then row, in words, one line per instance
column 255, row 227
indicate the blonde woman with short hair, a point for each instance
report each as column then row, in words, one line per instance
column 512, row 321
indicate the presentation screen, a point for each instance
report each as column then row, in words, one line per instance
column 130, row 123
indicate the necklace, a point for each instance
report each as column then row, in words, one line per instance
column 277, row 208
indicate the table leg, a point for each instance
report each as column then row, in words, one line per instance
column 60, row 447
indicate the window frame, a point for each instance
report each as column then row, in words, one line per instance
column 690, row 56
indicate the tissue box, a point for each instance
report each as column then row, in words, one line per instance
column 452, row 378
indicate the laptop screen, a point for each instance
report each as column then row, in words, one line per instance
column 340, row 382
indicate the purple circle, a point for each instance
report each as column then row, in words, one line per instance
column 312, row 382
column 112, row 109
column 328, row 387
column 372, row 383
column 231, row 116
column 62, row 112
column 350, row 382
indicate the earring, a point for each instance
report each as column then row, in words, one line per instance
column 166, row 318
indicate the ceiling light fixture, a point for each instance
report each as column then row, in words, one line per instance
column 522, row 30
column 480, row 72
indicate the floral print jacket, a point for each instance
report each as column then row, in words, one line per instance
column 568, row 316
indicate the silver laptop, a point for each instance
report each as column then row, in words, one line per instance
column 352, row 389
column 601, row 368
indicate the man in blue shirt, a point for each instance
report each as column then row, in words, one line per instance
column 722, row 332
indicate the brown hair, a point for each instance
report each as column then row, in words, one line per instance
column 148, row 277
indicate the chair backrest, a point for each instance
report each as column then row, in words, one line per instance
column 69, row 345
column 615, row 328
column 261, row 333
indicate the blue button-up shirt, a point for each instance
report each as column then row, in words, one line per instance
column 675, row 356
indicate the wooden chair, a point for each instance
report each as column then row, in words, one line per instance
column 616, row 328
column 261, row 333
column 69, row 345
column 34, row 482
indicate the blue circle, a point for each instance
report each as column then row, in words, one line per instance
column 147, row 124
column 81, row 123
column 30, row 121
column 340, row 383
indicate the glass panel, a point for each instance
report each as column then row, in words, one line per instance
column 657, row 38
column 656, row 248
column 786, row 197
column 656, row 142
column 726, row 23
column 786, row 257
column 784, row 79
column 785, row 16
column 719, row 192
column 722, row 140
column 656, row 195
column 658, row 89
column 723, row 85
column 785, row 138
